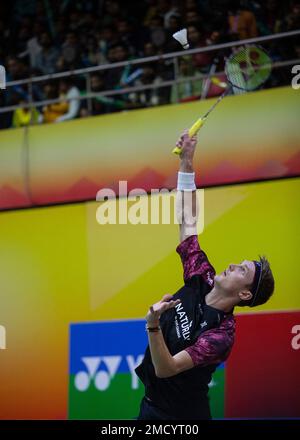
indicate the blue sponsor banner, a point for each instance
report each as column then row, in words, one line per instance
column 108, row 338
column 110, row 346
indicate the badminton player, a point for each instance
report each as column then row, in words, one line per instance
column 191, row 332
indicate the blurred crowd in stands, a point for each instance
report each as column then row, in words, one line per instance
column 41, row 37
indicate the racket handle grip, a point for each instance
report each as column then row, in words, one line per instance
column 192, row 131
column 176, row 150
column 196, row 127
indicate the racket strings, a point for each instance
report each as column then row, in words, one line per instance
column 248, row 68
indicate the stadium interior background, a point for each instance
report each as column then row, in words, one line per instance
column 97, row 92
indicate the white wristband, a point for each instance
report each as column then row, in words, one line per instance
column 186, row 181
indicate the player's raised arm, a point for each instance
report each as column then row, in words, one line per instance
column 186, row 200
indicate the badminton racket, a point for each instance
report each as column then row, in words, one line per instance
column 246, row 70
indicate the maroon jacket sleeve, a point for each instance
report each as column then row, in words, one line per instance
column 195, row 261
column 213, row 346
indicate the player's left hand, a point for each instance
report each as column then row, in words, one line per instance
column 159, row 308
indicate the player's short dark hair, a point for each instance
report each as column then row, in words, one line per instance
column 266, row 286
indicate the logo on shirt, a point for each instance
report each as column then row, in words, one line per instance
column 182, row 323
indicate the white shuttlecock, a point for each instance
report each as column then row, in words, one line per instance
column 181, row 36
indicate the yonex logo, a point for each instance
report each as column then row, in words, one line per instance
column 101, row 371
column 2, row 338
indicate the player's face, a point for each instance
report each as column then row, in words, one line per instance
column 237, row 277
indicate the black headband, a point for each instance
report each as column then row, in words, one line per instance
column 257, row 278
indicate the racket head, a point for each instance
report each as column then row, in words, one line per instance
column 248, row 68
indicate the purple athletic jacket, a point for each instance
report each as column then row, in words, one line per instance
column 212, row 346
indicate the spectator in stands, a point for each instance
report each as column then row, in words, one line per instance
column 201, row 60
column 189, row 90
column 97, row 86
column 47, row 57
column 71, row 93
column 88, row 21
column 24, row 116
column 158, row 35
column 33, row 47
column 126, row 35
column 292, row 20
column 61, row 65
column 192, row 18
column 52, row 111
column 71, row 51
column 110, row 31
column 163, row 9
column 91, row 55
column 174, row 25
column 115, row 77
column 149, row 49
column 149, row 97
column 106, row 38
column 242, row 23
column 75, row 20
column 112, row 12
column 67, row 108
column 22, row 37
column 190, row 5
column 104, row 104
column 61, row 27
column 16, row 69
column 269, row 17
column 4, row 39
